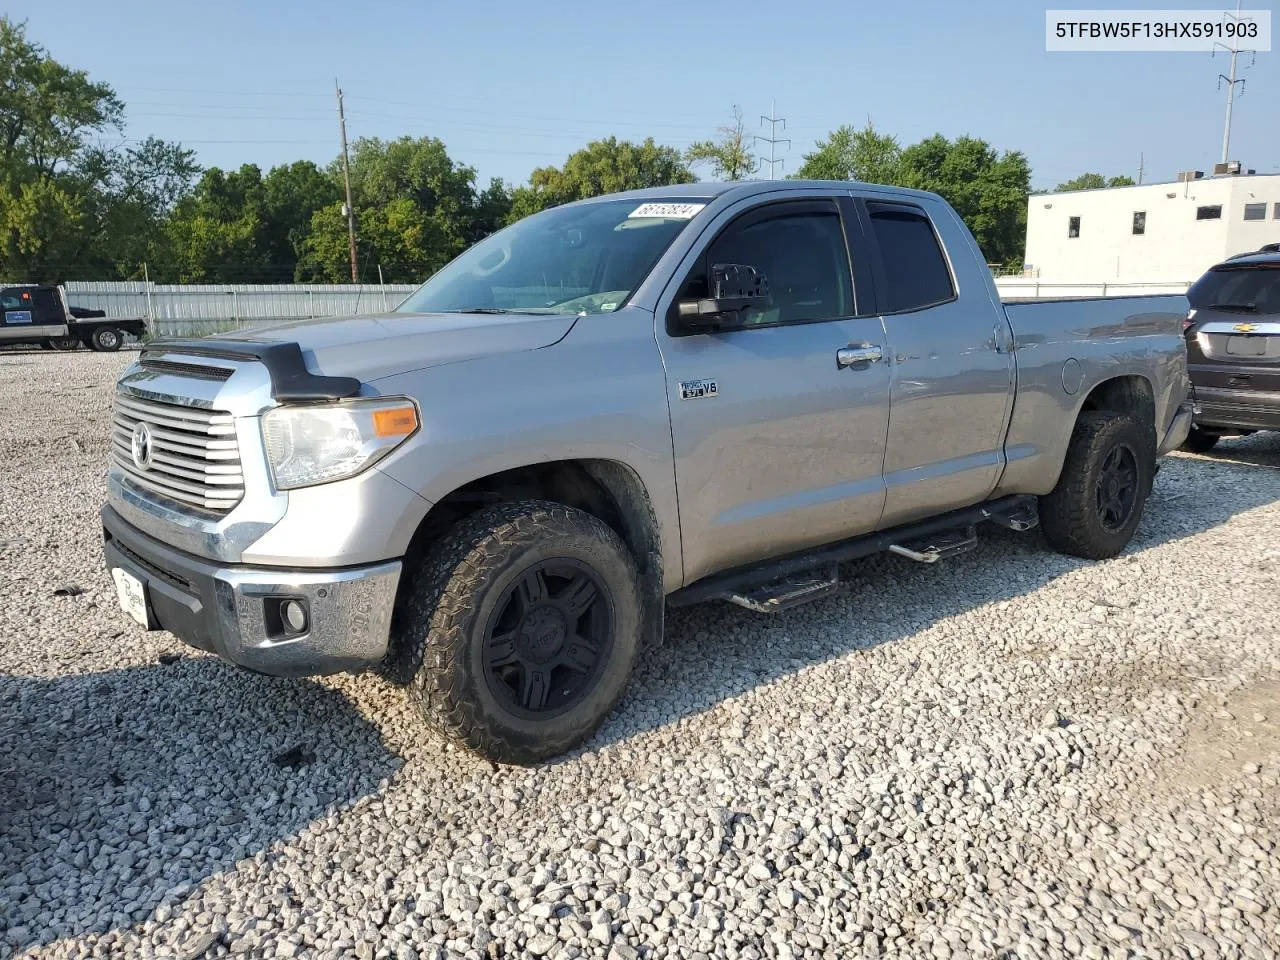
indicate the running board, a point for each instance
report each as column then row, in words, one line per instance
column 790, row 591
column 940, row 547
column 757, row 585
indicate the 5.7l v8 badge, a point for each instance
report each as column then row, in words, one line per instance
column 697, row 389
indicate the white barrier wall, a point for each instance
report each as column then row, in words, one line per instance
column 199, row 309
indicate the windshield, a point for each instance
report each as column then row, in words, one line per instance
column 1251, row 289
column 587, row 258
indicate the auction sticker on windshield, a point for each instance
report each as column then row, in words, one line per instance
column 667, row 211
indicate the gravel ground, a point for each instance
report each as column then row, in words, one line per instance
column 1014, row 754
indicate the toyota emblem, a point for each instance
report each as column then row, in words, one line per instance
column 140, row 446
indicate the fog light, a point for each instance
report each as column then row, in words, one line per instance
column 294, row 615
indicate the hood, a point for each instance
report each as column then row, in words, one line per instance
column 369, row 347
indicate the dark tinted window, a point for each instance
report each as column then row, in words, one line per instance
column 1073, row 227
column 1209, row 213
column 1249, row 289
column 802, row 255
column 1255, row 211
column 916, row 271
column 1139, row 222
column 10, row 302
column 46, row 301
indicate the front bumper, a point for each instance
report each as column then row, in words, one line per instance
column 232, row 611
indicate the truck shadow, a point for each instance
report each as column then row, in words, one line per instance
column 123, row 790
column 1259, row 450
column 717, row 651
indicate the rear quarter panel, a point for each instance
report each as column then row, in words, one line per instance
column 1107, row 338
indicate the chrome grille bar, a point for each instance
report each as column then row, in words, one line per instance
column 195, row 457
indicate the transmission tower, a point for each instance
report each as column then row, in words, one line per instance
column 773, row 139
column 1231, row 81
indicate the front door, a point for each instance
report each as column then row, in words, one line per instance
column 779, row 444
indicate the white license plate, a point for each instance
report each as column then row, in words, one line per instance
column 132, row 594
column 1247, row 346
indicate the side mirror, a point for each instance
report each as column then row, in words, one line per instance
column 735, row 287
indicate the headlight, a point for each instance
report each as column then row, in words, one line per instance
column 308, row 445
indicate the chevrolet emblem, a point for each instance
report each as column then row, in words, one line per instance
column 1245, row 327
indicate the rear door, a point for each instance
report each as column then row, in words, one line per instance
column 1233, row 345
column 951, row 365
column 778, row 441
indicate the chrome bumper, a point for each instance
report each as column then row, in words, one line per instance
column 234, row 611
column 1176, row 435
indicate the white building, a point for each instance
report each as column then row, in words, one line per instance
column 1153, row 233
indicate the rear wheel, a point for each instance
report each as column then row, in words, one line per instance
column 1097, row 504
column 106, row 339
column 1200, row 440
column 521, row 626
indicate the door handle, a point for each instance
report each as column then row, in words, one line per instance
column 857, row 355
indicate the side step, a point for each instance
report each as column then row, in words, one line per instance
column 777, row 583
column 940, row 547
column 790, row 591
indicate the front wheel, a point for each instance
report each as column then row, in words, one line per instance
column 106, row 339
column 1200, row 440
column 62, row 343
column 522, row 626
column 1095, row 508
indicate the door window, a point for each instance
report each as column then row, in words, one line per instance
column 916, row 271
column 801, row 252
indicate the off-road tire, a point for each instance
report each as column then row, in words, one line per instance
column 1200, row 440
column 106, row 339
column 1070, row 514
column 438, row 633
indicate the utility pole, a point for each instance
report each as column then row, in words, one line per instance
column 773, row 140
column 1142, row 167
column 1231, row 81
column 346, row 179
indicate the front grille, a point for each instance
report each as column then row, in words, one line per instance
column 195, row 458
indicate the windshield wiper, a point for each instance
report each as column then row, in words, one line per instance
column 483, row 310
column 1250, row 307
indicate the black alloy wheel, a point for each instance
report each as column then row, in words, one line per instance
column 548, row 638
column 1117, row 487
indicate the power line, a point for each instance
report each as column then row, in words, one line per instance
column 773, row 140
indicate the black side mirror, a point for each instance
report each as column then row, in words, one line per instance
column 735, row 288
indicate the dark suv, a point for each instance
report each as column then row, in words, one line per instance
column 1233, row 348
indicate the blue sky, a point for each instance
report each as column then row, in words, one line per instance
column 509, row 86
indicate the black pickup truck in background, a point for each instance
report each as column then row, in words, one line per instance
column 38, row 314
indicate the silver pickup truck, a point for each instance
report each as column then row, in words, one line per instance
column 713, row 391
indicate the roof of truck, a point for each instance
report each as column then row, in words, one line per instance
column 747, row 188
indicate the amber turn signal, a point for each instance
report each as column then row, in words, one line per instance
column 396, row 422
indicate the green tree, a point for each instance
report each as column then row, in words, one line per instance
column 416, row 209
column 291, row 195
column 129, row 193
column 1093, row 181
column 218, row 234
column 849, row 154
column 66, row 206
column 730, row 155
column 988, row 189
column 602, row 166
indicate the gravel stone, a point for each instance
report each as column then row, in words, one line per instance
column 1011, row 753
